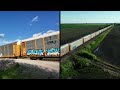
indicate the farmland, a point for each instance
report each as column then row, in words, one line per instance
column 80, row 65
column 71, row 32
column 109, row 49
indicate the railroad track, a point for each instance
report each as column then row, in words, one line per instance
column 107, row 67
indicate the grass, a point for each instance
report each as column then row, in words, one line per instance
column 71, row 32
column 13, row 72
column 80, row 66
column 67, row 70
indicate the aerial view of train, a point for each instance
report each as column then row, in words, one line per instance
column 38, row 47
column 73, row 45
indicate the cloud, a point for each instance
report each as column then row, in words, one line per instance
column 2, row 35
column 49, row 31
column 35, row 19
column 17, row 40
column 3, row 41
column 39, row 34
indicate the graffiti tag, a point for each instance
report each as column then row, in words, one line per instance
column 53, row 51
column 74, row 47
column 49, row 52
column 51, row 42
column 35, row 52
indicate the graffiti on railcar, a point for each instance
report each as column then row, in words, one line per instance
column 51, row 42
column 53, row 51
column 74, row 47
column 49, row 52
column 35, row 52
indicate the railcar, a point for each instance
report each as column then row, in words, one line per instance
column 75, row 44
column 64, row 49
column 47, row 45
column 41, row 46
column 71, row 46
column 11, row 50
column 86, row 38
column 93, row 35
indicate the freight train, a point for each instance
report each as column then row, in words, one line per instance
column 73, row 45
column 39, row 47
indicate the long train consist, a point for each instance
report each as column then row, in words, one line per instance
column 71, row 46
column 47, row 45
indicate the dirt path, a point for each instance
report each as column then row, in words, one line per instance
column 50, row 65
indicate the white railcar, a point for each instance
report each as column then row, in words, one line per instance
column 76, row 44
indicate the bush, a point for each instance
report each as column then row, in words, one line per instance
column 67, row 70
column 87, row 55
column 80, row 62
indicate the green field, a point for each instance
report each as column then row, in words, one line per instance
column 79, row 65
column 71, row 32
column 109, row 50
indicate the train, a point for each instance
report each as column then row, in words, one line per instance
column 66, row 48
column 39, row 47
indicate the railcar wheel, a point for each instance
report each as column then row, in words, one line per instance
column 33, row 58
column 15, row 57
column 40, row 58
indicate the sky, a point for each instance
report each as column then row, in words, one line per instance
column 90, row 17
column 19, row 25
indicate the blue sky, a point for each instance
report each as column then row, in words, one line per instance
column 90, row 17
column 18, row 25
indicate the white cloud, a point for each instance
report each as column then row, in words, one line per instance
column 35, row 19
column 2, row 35
column 49, row 31
column 3, row 41
column 39, row 34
